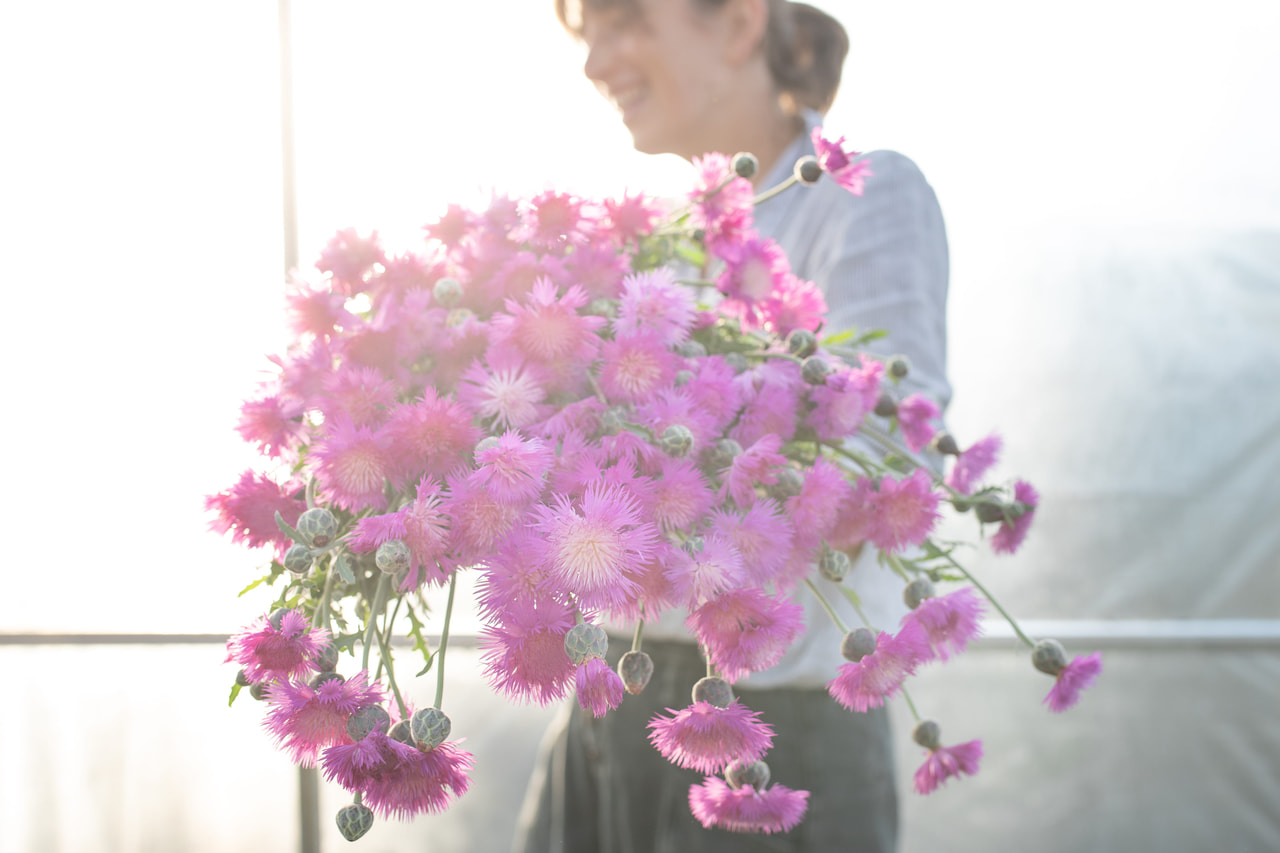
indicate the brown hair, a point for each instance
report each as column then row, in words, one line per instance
column 804, row 47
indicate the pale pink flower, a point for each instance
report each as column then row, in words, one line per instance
column 248, row 510
column 1078, row 675
column 676, row 406
column 360, row 393
column 775, row 809
column 316, row 311
column 840, row 164
column 914, row 416
column 906, row 511
column 1009, row 537
column 867, row 683
column 795, row 303
column 352, row 464
column 478, row 522
column 653, row 301
column 949, row 621
column 280, row 647
column 705, row 571
column 946, row 762
column 508, row 393
column 681, row 494
column 754, row 267
column 453, row 227
column 305, row 719
column 635, row 368
column 432, row 436
column 973, row 463
column 630, row 217
column 349, row 257
column 515, row 469
column 523, row 651
column 274, row 423
column 600, row 689
column 544, row 326
column 754, row 466
column 849, row 395
column 705, row 738
column 763, row 536
column 722, row 205
column 553, row 220
column 815, row 510
column 746, row 630
column 771, row 394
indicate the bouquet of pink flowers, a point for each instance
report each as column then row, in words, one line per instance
column 607, row 411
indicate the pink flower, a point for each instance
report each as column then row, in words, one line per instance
column 545, row 327
column 839, row 164
column 906, row 511
column 1078, row 675
column 453, row 227
column 351, row 465
column 815, row 510
column 636, row 367
column 396, row 779
column 600, row 689
column 478, row 522
column 914, row 415
column 630, row 217
column 770, row 394
column 754, row 268
column 775, row 809
column 349, row 257
column 374, row 530
column 973, row 463
column 794, row 304
column 746, row 630
column 705, row 738
column 867, row 683
column 432, row 435
column 306, row 719
column 274, row 423
column 361, row 393
column 553, row 220
column 248, row 510
column 316, row 311
column 508, row 393
column 849, row 395
column 762, row 535
column 514, row 469
column 722, row 207
column 949, row 621
column 699, row 573
column 278, row 647
column 945, row 762
column 655, row 302
column 523, row 651
column 1010, row 535
column 753, row 466
column 681, row 494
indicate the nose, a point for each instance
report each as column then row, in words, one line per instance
column 600, row 58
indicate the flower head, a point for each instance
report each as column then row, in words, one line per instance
column 949, row 622
column 654, row 301
column 839, row 164
column 746, row 630
column 352, row 464
column 865, row 684
column 905, row 511
column 775, row 809
column 1009, row 537
column 973, row 463
column 1078, row 675
column 248, row 510
column 705, row 738
column 306, row 718
column 914, row 416
column 600, row 689
column 277, row 647
column 945, row 762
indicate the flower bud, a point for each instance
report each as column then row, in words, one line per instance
column 366, row 720
column 802, row 343
column 430, row 727
column 898, row 366
column 857, row 644
column 928, row 734
column 676, row 441
column 602, row 306
column 487, row 443
column 989, row 512
column 611, row 422
column 917, row 591
column 1049, row 657
column 945, row 442
column 815, row 370
column 833, row 564
column 402, row 732
column 393, row 556
column 457, row 316
column 693, row 545
column 258, row 690
column 790, row 483
column 683, row 377
column 745, row 164
column 298, row 559
column 276, row 619
column 242, row 678
column 886, row 406
column 635, row 669
column 722, row 453
column 585, row 641
column 737, row 361
column 318, row 526
column 747, row 774
column 447, row 291
column 807, row 170
column 321, row 677
column 714, row 690
column 354, row 821
column 692, row 349
column 327, row 658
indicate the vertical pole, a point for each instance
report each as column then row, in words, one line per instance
column 308, row 779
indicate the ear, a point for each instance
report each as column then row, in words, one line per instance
column 746, row 22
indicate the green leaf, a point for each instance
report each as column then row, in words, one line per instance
column 430, row 660
column 837, row 338
column 898, row 463
column 289, row 531
column 851, row 595
column 235, row 691
column 691, row 253
column 868, row 337
column 342, row 566
column 269, row 576
column 419, row 639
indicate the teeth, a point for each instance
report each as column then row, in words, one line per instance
column 624, row 99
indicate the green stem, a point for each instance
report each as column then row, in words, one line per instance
column 637, row 636
column 325, row 596
column 892, row 446
column 912, row 705
column 311, row 493
column 827, row 607
column 444, row 640
column 384, row 639
column 391, row 677
column 857, row 458
column 1017, row 629
column 785, row 356
column 768, row 194
column 896, row 565
column 379, row 601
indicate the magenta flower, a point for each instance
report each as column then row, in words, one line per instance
column 770, row 395
column 815, row 511
column 351, row 465
column 763, row 536
column 1010, row 535
column 753, row 466
column 681, row 495
column 946, row 762
column 305, row 719
column 634, row 368
column 723, row 207
column 545, row 327
column 360, row 393
column 655, row 302
column 746, row 630
column 429, row 436
column 949, row 622
column 906, row 511
column 524, row 653
column 600, row 689
column 554, row 220
column 867, row 683
column 754, row 269
column 839, row 164
column 509, row 393
column 914, row 416
column 794, row 304
column 629, row 217
column 701, row 573
column 274, row 423
column 478, row 522
column 775, row 809
column 515, row 469
column 849, row 395
column 1078, row 675
column 972, row 464
column 316, row 311
column 705, row 738
column 248, row 510
column 277, row 648
column 399, row 780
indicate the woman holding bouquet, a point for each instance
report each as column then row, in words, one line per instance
column 691, row 77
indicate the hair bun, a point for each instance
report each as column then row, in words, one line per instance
column 807, row 48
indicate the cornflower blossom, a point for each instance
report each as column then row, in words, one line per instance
column 523, row 651
column 705, row 738
column 754, row 268
column 274, row 423
column 839, row 164
column 672, row 406
column 1071, row 679
column 949, row 622
column 515, row 469
column 914, row 414
column 636, row 367
column 973, row 463
column 477, row 522
column 396, row 779
column 906, row 511
column 351, row 465
column 816, row 509
column 553, row 221
column 360, row 393
column 795, row 303
column 763, row 536
column 775, row 809
column 432, row 435
column 865, row 684
column 723, row 204
column 681, row 495
column 507, row 393
column 513, row 576
column 841, row 405
column 453, row 227
column 277, row 648
column 348, row 258
column 600, row 689
column 946, row 762
column 714, row 391
column 753, row 466
column 546, row 329
column 248, row 510
column 771, row 395
column 427, row 533
column 706, row 572
column 654, row 301
column 746, row 630
column 592, row 551
column 306, row 719
column 1009, row 537
column 316, row 311
column 630, row 217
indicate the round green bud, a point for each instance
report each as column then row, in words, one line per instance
column 714, row 690
column 898, row 366
column 585, row 641
column 366, row 720
column 886, row 406
column 327, row 658
column 928, row 734
column 393, row 556
column 807, row 170
column 1049, row 657
column 457, row 317
column 430, row 727
column 318, row 526
column 917, row 591
column 815, row 370
column 737, row 361
column 298, row 559
column 242, row 678
column 802, row 343
column 487, row 443
column 693, row 545
column 447, row 291
column 857, row 644
column 354, row 821
column 790, row 483
column 722, row 453
column 321, row 677
column 635, row 669
column 747, row 774
column 745, row 164
column 692, row 349
column 402, row 732
column 258, row 690
column 676, row 441
column 989, row 512
column 276, row 619
column 833, row 564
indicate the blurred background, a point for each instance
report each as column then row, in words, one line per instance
column 1112, row 195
